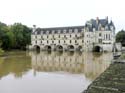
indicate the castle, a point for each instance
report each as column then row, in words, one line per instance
column 96, row 35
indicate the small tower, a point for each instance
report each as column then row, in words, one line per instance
column 34, row 28
column 97, row 20
column 106, row 19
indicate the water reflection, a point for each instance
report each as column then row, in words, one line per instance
column 50, row 72
column 16, row 63
column 89, row 64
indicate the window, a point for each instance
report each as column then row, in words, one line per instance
column 59, row 31
column 100, row 34
column 52, row 41
column 59, row 36
column 41, row 42
column 36, row 42
column 76, row 36
column 64, row 36
column 70, row 30
column 100, row 40
column 36, row 37
column 109, row 37
column 70, row 41
column 70, row 36
column 41, row 32
column 47, row 41
column 64, row 31
column 41, row 37
column 106, row 36
column 47, row 36
column 47, row 32
column 82, row 41
column 75, row 41
column 53, row 31
column 59, row 41
column 64, row 41
column 76, row 30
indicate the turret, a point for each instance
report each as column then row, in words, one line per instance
column 34, row 28
column 97, row 20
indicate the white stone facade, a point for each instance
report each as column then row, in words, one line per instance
column 96, row 35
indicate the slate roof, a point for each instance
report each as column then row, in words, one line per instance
column 57, row 29
column 89, row 24
column 103, row 22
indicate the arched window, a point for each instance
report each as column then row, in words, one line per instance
column 70, row 41
column 75, row 41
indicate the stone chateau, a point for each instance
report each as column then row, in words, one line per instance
column 96, row 35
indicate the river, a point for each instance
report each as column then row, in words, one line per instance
column 50, row 72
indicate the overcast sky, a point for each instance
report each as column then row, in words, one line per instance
column 56, row 13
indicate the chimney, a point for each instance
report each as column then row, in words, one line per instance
column 97, row 20
column 106, row 19
column 34, row 28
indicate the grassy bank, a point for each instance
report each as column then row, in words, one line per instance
column 1, row 51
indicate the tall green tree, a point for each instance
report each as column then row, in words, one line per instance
column 22, row 35
column 120, row 37
column 16, row 36
column 3, row 37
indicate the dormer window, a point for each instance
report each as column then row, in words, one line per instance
column 99, row 27
column 106, row 28
column 64, row 31
column 53, row 31
column 47, row 32
column 76, row 30
column 93, row 29
column 111, row 27
column 70, row 30
column 59, row 31
column 41, row 32
column 35, row 33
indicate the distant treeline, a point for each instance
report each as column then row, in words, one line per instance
column 15, row 36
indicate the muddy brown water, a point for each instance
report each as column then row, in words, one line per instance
column 50, row 72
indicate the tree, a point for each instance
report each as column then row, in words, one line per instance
column 16, row 36
column 22, row 35
column 120, row 37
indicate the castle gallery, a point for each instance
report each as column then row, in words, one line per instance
column 96, row 35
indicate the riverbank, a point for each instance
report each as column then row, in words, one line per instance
column 111, row 81
column 1, row 52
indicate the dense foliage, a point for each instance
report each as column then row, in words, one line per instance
column 15, row 36
column 120, row 37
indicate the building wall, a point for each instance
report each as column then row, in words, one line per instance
column 64, row 40
column 84, row 40
column 104, row 39
column 87, row 40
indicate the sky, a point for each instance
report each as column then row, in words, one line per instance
column 58, row 13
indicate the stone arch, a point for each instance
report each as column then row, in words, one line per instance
column 71, row 48
column 59, row 47
column 36, row 47
column 97, row 49
column 48, row 47
column 79, row 48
